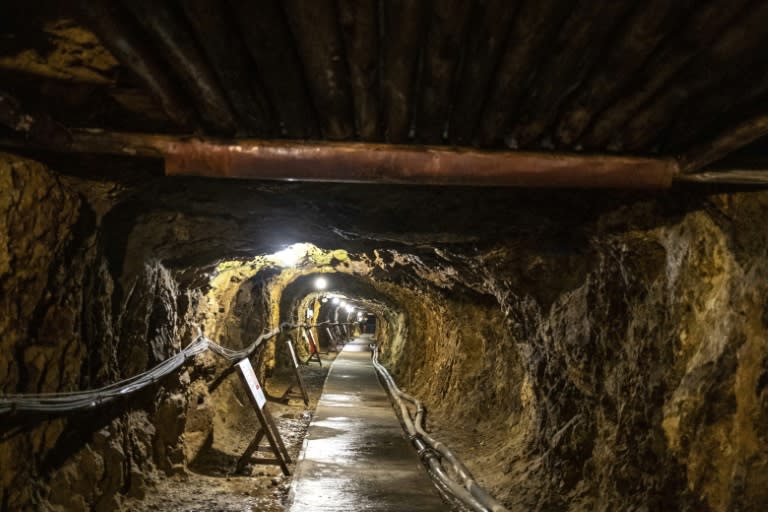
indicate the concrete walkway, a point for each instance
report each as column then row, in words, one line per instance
column 356, row 456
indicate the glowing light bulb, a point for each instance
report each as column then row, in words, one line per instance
column 335, row 301
column 321, row 283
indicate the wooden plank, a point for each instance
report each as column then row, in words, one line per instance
column 530, row 34
column 403, row 27
column 269, row 40
column 297, row 373
column 321, row 50
column 729, row 176
column 705, row 24
column 230, row 60
column 280, row 444
column 485, row 40
column 442, row 52
column 123, row 39
column 726, row 142
column 649, row 24
column 314, row 352
column 333, row 344
column 739, row 46
column 245, row 458
column 729, row 100
column 176, row 44
column 360, row 29
column 576, row 48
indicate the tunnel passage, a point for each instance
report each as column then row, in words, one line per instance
column 579, row 351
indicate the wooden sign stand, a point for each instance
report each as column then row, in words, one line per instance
column 314, row 354
column 268, row 428
column 299, row 380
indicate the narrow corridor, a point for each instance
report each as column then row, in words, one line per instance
column 356, row 455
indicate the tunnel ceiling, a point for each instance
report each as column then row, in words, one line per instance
column 683, row 79
column 191, row 222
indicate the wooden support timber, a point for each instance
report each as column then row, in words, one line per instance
column 698, row 157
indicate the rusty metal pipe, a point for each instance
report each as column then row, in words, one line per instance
column 375, row 163
column 378, row 163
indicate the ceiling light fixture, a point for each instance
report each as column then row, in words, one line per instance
column 290, row 256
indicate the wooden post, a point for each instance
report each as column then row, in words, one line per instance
column 314, row 354
column 333, row 346
column 297, row 373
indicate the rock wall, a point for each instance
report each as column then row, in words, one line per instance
column 68, row 323
column 627, row 372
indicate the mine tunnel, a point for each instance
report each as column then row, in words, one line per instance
column 531, row 233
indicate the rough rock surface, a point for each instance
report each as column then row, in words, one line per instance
column 66, row 326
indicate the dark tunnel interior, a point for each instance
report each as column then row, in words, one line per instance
column 573, row 348
column 582, row 308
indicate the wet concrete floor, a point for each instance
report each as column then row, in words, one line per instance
column 356, row 456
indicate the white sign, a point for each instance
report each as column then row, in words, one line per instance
column 246, row 370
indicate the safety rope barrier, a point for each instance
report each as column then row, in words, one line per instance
column 434, row 453
column 71, row 401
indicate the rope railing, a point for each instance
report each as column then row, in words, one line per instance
column 71, row 401
column 435, row 454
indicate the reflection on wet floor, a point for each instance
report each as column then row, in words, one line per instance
column 356, row 456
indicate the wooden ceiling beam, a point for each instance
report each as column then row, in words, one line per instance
column 119, row 35
column 360, row 29
column 703, row 27
column 321, row 50
column 229, row 58
column 268, row 39
column 442, row 51
column 728, row 141
column 486, row 36
column 648, row 25
column 532, row 29
column 577, row 45
column 733, row 99
column 403, row 29
column 177, row 45
column 745, row 39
